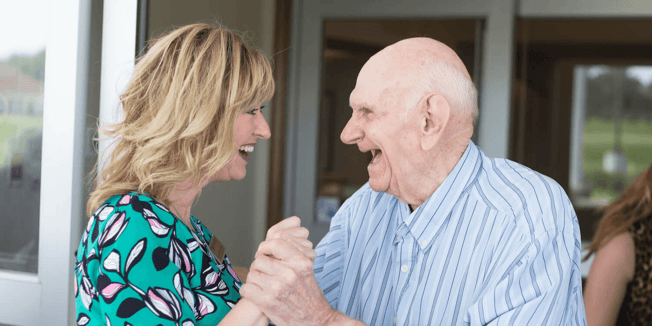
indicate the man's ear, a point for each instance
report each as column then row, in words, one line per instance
column 435, row 112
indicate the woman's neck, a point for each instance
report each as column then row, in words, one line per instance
column 181, row 198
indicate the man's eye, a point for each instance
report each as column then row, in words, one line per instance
column 366, row 111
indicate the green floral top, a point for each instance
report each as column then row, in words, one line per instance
column 138, row 264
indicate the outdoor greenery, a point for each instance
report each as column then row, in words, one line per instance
column 10, row 126
column 599, row 138
column 33, row 66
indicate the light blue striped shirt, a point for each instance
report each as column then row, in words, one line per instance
column 495, row 244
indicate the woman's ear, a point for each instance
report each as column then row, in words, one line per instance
column 435, row 116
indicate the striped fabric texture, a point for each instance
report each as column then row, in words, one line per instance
column 495, row 244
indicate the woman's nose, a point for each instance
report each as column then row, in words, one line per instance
column 263, row 131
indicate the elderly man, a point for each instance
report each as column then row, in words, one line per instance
column 441, row 234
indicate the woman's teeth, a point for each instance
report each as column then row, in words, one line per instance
column 246, row 148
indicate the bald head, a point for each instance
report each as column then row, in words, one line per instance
column 417, row 53
column 408, row 69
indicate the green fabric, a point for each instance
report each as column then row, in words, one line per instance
column 137, row 264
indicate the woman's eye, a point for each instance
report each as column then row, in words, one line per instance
column 253, row 111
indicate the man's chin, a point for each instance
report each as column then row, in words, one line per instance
column 378, row 185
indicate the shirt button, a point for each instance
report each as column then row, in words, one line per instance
column 394, row 320
column 404, row 268
column 424, row 243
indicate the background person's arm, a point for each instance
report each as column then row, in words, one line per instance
column 611, row 271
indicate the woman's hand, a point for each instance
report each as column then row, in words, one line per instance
column 290, row 230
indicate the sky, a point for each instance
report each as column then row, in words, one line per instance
column 642, row 73
column 23, row 27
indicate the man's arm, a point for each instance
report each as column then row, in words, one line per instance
column 540, row 286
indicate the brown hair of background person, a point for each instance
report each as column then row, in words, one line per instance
column 634, row 203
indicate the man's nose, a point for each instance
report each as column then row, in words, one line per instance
column 352, row 132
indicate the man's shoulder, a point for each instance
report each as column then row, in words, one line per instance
column 518, row 190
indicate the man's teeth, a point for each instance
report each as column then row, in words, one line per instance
column 247, row 149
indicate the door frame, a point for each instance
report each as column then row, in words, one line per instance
column 305, row 82
column 44, row 298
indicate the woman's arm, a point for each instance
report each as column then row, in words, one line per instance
column 611, row 271
column 245, row 313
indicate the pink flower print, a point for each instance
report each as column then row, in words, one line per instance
column 204, row 306
column 160, row 229
column 180, row 255
column 114, row 227
column 163, row 303
column 112, row 290
column 232, row 272
column 125, row 200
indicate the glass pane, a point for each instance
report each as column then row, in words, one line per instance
column 22, row 65
column 348, row 44
column 581, row 106
column 612, row 130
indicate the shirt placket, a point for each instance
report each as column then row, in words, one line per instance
column 404, row 244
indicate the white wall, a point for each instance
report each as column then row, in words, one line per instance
column 234, row 211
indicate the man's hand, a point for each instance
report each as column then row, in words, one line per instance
column 282, row 284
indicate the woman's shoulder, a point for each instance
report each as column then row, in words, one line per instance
column 132, row 216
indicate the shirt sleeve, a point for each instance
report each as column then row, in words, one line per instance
column 538, row 282
column 144, row 270
column 331, row 253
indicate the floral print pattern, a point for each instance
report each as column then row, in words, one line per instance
column 137, row 264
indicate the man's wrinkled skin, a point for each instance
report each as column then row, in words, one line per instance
column 413, row 154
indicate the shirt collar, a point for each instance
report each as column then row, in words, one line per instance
column 426, row 221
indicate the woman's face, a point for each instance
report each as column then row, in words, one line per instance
column 249, row 127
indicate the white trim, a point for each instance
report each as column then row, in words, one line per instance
column 493, row 127
column 64, row 120
column 585, row 8
column 118, row 53
column 20, row 303
column 18, row 277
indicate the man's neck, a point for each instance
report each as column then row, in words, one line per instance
column 441, row 163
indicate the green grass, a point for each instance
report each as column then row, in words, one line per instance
column 10, row 126
column 636, row 143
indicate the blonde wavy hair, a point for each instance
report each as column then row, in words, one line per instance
column 180, row 109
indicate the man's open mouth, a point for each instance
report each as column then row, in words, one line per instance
column 377, row 153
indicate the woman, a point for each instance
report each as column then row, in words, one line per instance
column 619, row 287
column 192, row 116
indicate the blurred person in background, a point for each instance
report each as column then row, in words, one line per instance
column 619, row 287
column 192, row 116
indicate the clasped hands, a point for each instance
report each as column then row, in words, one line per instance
column 281, row 281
